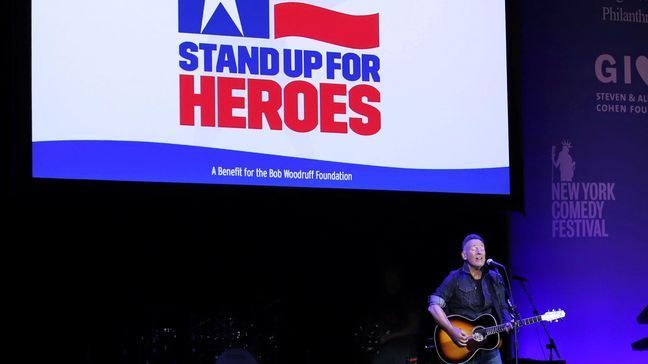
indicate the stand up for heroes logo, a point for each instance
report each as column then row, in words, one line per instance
column 348, row 101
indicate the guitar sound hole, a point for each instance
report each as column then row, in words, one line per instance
column 478, row 336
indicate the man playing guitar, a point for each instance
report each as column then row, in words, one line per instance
column 470, row 291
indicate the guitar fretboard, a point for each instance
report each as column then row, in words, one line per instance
column 499, row 328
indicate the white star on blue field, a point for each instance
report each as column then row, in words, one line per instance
column 229, row 6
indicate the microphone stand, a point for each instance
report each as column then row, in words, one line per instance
column 552, row 345
column 514, row 313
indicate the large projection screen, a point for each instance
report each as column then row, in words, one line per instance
column 404, row 95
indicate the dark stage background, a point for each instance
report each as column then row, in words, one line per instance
column 115, row 270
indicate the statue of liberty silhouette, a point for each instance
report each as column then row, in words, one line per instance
column 564, row 162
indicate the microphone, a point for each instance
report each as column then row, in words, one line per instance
column 491, row 263
column 520, row 278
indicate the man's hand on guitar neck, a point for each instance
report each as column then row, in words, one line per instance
column 458, row 336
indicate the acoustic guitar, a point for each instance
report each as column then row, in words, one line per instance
column 483, row 334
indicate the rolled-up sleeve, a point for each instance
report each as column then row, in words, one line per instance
column 436, row 300
column 444, row 292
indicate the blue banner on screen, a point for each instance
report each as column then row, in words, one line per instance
column 136, row 161
column 365, row 94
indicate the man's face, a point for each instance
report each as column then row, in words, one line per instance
column 474, row 253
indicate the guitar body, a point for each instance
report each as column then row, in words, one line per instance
column 483, row 332
column 452, row 353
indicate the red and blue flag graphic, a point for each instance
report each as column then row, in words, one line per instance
column 309, row 21
column 251, row 18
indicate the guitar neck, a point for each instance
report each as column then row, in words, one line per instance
column 500, row 328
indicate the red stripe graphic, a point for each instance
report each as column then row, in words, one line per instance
column 314, row 22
